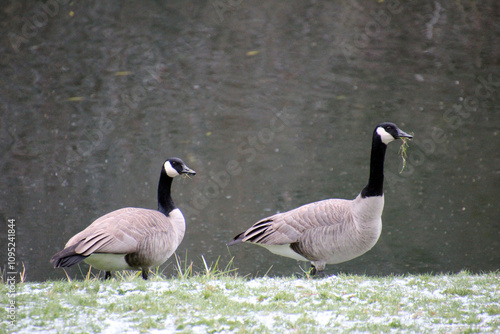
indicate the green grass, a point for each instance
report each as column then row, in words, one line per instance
column 216, row 300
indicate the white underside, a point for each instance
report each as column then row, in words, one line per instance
column 284, row 250
column 108, row 262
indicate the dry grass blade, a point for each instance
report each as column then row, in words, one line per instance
column 402, row 151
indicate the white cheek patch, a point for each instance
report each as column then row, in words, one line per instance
column 170, row 170
column 385, row 136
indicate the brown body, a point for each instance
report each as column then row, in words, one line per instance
column 333, row 230
column 131, row 238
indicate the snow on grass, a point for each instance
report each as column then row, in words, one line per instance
column 437, row 304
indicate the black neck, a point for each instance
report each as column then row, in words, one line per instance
column 375, row 186
column 165, row 202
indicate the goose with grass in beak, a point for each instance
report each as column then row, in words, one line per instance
column 330, row 231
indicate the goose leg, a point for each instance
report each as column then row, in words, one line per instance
column 312, row 272
column 317, row 273
column 107, row 275
column 144, row 273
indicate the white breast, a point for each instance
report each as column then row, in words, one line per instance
column 178, row 223
column 108, row 262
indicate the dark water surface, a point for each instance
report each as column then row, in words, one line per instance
column 271, row 102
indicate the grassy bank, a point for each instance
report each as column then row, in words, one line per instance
column 209, row 303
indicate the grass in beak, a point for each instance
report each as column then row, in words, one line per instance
column 402, row 152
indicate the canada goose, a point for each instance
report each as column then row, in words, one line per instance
column 333, row 230
column 131, row 238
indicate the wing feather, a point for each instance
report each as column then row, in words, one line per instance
column 119, row 232
column 290, row 227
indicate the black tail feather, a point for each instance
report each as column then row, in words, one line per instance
column 67, row 257
column 237, row 239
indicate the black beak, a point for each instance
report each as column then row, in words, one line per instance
column 188, row 171
column 404, row 134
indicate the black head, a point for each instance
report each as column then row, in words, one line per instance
column 175, row 166
column 389, row 131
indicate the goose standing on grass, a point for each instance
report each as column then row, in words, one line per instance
column 333, row 230
column 131, row 238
